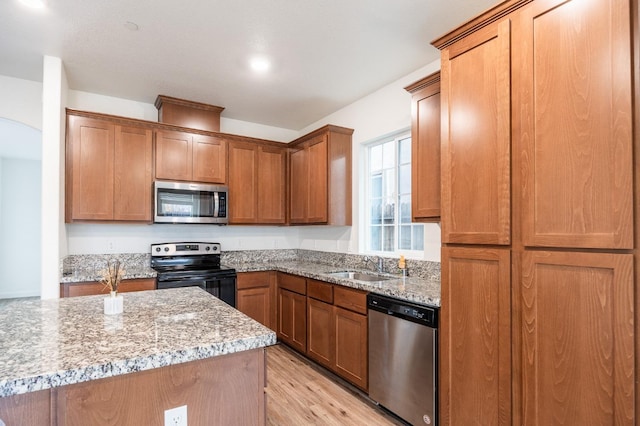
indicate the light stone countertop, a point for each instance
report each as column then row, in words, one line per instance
column 412, row 289
column 51, row 343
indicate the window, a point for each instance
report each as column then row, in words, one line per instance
column 388, row 201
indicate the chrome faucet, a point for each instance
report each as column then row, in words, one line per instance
column 379, row 265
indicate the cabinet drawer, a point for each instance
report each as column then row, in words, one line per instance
column 292, row 283
column 89, row 288
column 253, row 279
column 354, row 300
column 320, row 290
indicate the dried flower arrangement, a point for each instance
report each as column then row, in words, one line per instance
column 112, row 276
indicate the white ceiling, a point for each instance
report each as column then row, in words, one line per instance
column 325, row 53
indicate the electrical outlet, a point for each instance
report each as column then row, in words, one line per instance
column 176, row 416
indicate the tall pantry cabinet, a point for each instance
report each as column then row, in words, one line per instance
column 538, row 298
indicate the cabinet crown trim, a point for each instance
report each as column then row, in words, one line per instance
column 495, row 13
column 183, row 102
column 320, row 131
column 423, row 82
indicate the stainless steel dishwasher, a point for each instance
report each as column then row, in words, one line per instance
column 403, row 348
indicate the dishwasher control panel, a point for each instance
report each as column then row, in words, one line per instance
column 426, row 315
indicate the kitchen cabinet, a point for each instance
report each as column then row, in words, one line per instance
column 292, row 311
column 337, row 333
column 549, row 126
column 109, row 170
column 89, row 288
column 579, row 334
column 476, row 137
column 475, row 336
column 256, row 183
column 255, row 296
column 320, row 177
column 425, row 148
column 190, row 157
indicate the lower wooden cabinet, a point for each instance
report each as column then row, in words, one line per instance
column 351, row 340
column 89, row 288
column 292, row 311
column 337, row 334
column 255, row 296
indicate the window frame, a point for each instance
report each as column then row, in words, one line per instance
column 366, row 200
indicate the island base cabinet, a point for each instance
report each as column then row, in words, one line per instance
column 33, row 409
column 223, row 390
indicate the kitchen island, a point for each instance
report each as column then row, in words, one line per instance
column 64, row 362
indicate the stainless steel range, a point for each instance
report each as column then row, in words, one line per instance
column 194, row 264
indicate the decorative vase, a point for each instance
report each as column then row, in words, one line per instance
column 113, row 304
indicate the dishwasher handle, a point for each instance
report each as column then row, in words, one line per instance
column 421, row 314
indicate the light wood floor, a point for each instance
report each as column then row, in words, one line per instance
column 301, row 393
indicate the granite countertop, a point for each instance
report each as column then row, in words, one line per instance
column 412, row 289
column 51, row 343
column 92, row 273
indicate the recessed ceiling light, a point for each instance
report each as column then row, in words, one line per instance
column 34, row 4
column 131, row 26
column 260, row 64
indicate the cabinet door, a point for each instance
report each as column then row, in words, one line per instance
column 243, row 182
column 90, row 169
column 475, row 337
column 271, row 194
column 317, row 189
column 320, row 332
column 255, row 303
column 577, row 338
column 425, row 153
column 133, row 174
column 174, row 156
column 352, row 359
column 209, row 159
column 292, row 319
column 476, row 128
column 573, row 93
column 299, row 178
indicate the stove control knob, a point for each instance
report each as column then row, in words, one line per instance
column 157, row 248
column 215, row 248
column 166, row 249
column 208, row 248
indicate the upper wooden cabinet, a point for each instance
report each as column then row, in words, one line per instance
column 257, row 190
column 320, row 177
column 108, row 171
column 190, row 157
column 573, row 108
column 476, row 137
column 425, row 148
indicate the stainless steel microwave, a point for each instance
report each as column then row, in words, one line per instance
column 183, row 202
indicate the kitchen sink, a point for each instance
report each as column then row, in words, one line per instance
column 360, row 276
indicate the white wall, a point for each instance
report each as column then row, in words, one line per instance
column 21, row 101
column 20, row 207
column 54, row 239
column 381, row 113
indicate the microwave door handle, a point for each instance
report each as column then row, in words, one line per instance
column 216, row 204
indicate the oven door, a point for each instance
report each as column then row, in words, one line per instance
column 220, row 284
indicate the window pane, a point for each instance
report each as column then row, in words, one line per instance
column 376, row 211
column 405, row 151
column 405, row 237
column 404, row 181
column 388, row 212
column 376, row 158
column 389, row 183
column 405, row 209
column 389, row 155
column 418, row 237
column 376, row 185
column 375, row 238
column 388, row 238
